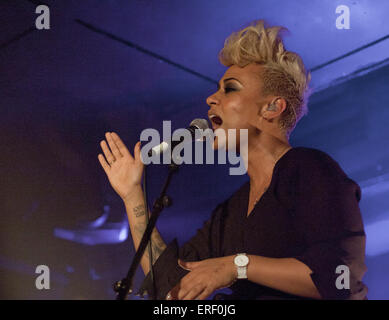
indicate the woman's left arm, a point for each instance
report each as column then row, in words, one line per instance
column 285, row 274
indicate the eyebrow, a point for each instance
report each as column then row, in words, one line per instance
column 225, row 80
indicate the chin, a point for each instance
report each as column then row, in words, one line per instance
column 215, row 144
column 220, row 139
column 219, row 143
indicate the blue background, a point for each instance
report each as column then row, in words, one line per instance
column 127, row 65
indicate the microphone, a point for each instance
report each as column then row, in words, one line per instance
column 195, row 124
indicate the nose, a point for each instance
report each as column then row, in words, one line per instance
column 212, row 100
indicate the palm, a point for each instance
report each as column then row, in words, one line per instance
column 124, row 171
column 123, row 175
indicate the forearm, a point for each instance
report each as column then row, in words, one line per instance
column 136, row 213
column 285, row 274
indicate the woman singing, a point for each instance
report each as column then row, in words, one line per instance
column 294, row 230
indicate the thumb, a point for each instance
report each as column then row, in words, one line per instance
column 137, row 152
column 183, row 264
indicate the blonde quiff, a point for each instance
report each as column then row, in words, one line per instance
column 284, row 73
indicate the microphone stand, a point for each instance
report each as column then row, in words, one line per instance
column 124, row 286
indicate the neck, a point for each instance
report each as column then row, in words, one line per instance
column 264, row 151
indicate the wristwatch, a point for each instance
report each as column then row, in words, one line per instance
column 241, row 261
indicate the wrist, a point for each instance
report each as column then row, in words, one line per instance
column 233, row 269
column 133, row 194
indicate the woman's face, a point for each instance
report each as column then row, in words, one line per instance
column 237, row 102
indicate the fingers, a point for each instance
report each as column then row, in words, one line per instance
column 115, row 149
column 204, row 294
column 107, row 153
column 112, row 145
column 120, row 145
column 137, row 151
column 194, row 289
column 189, row 265
column 104, row 163
column 188, row 283
column 173, row 293
column 193, row 293
column 183, row 264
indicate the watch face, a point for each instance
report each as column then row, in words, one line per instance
column 241, row 260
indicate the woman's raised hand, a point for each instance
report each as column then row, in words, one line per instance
column 124, row 171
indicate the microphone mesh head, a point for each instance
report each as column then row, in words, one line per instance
column 200, row 124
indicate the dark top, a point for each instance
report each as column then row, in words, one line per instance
column 309, row 212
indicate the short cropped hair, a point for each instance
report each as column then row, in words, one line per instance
column 284, row 73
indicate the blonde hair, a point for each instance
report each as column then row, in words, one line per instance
column 283, row 73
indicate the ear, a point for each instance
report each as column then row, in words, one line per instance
column 272, row 110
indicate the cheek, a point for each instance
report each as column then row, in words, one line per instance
column 237, row 107
column 234, row 112
column 242, row 116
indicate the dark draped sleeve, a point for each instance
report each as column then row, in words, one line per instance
column 204, row 245
column 329, row 221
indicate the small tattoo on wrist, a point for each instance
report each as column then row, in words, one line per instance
column 139, row 210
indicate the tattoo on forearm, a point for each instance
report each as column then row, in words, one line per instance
column 157, row 246
column 139, row 210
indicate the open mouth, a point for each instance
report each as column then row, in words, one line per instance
column 216, row 120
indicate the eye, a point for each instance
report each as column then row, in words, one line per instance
column 229, row 89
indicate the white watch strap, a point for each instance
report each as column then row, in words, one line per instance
column 242, row 272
